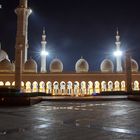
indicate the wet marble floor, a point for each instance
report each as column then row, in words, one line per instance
column 94, row 120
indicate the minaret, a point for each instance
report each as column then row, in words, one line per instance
column 118, row 56
column 21, row 45
column 23, row 13
column 43, row 52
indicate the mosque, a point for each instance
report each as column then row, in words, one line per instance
column 110, row 77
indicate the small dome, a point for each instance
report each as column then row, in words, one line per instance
column 56, row 65
column 81, row 66
column 107, row 66
column 3, row 55
column 5, row 65
column 134, row 65
column 30, row 66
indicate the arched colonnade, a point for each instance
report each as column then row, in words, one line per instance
column 71, row 88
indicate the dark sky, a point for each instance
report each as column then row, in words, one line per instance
column 75, row 28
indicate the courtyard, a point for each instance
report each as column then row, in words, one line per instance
column 79, row 120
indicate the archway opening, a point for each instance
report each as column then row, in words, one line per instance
column 49, row 87
column 136, row 85
column 55, row 88
column 28, row 86
column 123, row 87
column 69, row 88
column 117, row 86
column 7, row 84
column 76, row 88
column 83, row 88
column 97, row 87
column 103, row 86
column 35, row 87
column 41, row 86
column 110, row 86
column 90, row 88
column 63, row 88
column 1, row 83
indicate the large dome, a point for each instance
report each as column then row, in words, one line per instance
column 5, row 66
column 3, row 55
column 134, row 65
column 81, row 66
column 107, row 66
column 30, row 66
column 56, row 65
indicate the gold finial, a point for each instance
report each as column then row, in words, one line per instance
column 44, row 32
column 23, row 3
column 117, row 36
column 117, row 32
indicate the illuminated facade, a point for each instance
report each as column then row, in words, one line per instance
column 55, row 80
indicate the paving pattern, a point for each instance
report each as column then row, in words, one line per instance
column 94, row 120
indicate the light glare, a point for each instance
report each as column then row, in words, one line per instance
column 31, row 11
column 44, row 53
column 118, row 53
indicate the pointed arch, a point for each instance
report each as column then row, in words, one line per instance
column 103, row 86
column 110, row 86
column 117, row 86
column 22, row 83
column 49, row 87
column 69, row 88
column 1, row 83
column 35, row 86
column 123, row 87
column 27, row 86
column 23, row 89
column 63, row 88
column 7, row 83
column 76, row 88
column 136, row 85
column 83, row 88
column 13, row 83
column 89, row 88
column 42, row 86
column 97, row 86
column 55, row 88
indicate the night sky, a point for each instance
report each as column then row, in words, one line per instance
column 75, row 28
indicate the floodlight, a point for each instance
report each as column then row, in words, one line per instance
column 118, row 53
column 44, row 53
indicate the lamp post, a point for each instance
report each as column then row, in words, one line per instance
column 128, row 72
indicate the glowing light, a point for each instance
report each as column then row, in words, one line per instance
column 31, row 11
column 44, row 53
column 118, row 53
